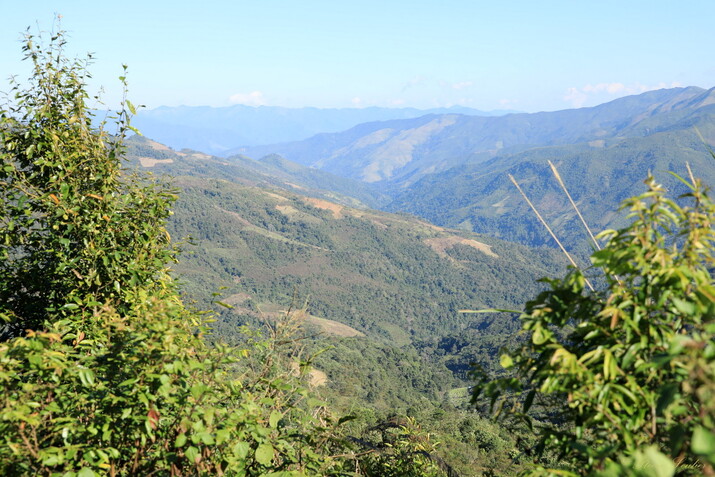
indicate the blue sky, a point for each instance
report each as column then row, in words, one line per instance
column 523, row 55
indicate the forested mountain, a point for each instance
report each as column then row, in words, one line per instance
column 453, row 170
column 389, row 276
column 400, row 151
column 217, row 130
column 481, row 197
column 382, row 291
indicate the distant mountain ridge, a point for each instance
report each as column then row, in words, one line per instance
column 269, row 171
column 217, row 130
column 401, row 151
column 453, row 170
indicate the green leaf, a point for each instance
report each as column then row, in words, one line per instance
column 654, row 462
column 192, row 453
column 86, row 376
column 703, row 443
column 274, row 419
column 131, row 107
column 506, row 361
column 180, row 440
column 264, row 454
column 197, row 390
column 684, row 307
column 241, row 449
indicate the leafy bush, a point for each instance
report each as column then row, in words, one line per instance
column 629, row 370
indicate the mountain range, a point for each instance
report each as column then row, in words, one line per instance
column 383, row 232
column 218, row 130
column 400, row 151
column 453, row 169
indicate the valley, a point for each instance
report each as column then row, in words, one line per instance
column 305, row 227
column 366, row 239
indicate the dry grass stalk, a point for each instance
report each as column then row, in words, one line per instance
column 690, row 173
column 573, row 204
column 543, row 222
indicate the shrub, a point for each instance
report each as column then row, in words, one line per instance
column 630, row 368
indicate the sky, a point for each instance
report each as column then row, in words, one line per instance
column 489, row 55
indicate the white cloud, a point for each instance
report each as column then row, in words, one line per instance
column 602, row 92
column 611, row 88
column 462, row 85
column 254, row 98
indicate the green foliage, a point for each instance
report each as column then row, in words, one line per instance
column 74, row 234
column 633, row 364
column 139, row 394
column 400, row 448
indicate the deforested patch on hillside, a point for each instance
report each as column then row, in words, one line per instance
column 151, row 162
column 336, row 209
column 442, row 244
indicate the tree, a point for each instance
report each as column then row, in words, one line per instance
column 77, row 233
column 630, row 368
column 102, row 368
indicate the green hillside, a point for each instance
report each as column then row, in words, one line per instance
column 400, row 152
column 387, row 276
column 382, row 291
column 481, row 198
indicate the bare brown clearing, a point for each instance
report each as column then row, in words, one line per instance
column 442, row 244
column 325, row 205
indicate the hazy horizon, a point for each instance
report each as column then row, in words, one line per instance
column 518, row 56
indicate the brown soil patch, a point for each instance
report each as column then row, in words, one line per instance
column 236, row 299
column 336, row 209
column 333, row 328
column 316, row 377
column 295, row 186
column 287, row 210
column 150, row 162
column 236, row 216
column 441, row 245
column 329, row 327
column 158, row 146
column 275, row 196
